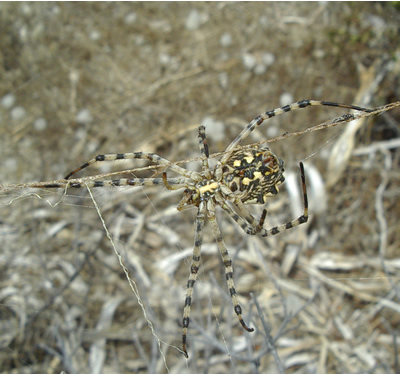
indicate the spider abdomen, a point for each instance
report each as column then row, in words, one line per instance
column 253, row 174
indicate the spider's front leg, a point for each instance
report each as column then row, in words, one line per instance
column 257, row 121
column 153, row 157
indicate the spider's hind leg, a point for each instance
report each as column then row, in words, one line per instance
column 194, row 268
column 298, row 221
column 228, row 268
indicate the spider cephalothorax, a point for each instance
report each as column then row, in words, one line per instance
column 242, row 176
column 196, row 193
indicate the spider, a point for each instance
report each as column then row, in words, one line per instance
column 241, row 176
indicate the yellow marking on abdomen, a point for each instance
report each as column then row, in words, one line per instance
column 246, row 181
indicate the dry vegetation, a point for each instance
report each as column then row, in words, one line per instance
column 79, row 79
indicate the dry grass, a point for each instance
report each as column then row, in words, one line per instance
column 101, row 78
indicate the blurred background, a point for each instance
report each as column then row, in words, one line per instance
column 81, row 79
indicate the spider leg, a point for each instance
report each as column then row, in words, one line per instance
column 257, row 121
column 298, row 221
column 243, row 211
column 248, row 224
column 141, row 156
column 203, row 145
column 227, row 262
column 82, row 183
column 170, row 183
column 194, row 268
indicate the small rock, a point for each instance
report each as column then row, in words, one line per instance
column 8, row 101
column 17, row 113
column 249, row 61
column 260, row 69
column 215, row 129
column 226, row 40
column 285, row 99
column 130, row 18
column 40, row 124
column 84, row 116
column 268, row 58
column 195, row 20
column 94, row 35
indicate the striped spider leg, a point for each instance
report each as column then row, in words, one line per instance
column 248, row 176
column 241, row 176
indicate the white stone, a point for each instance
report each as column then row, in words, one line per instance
column 249, row 61
column 95, row 35
column 260, row 69
column 164, row 58
column 285, row 99
column 40, row 124
column 226, row 39
column 8, row 101
column 215, row 130
column 84, row 116
column 17, row 113
column 130, row 18
column 268, row 58
column 193, row 21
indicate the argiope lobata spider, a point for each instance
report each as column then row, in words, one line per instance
column 241, row 176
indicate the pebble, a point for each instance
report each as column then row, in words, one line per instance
column 249, row 61
column 193, row 20
column 268, row 58
column 215, row 129
column 285, row 99
column 17, row 113
column 40, row 124
column 84, row 116
column 130, row 18
column 94, row 35
column 8, row 101
column 258, row 64
column 225, row 40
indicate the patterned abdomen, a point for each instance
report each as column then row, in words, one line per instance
column 253, row 174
